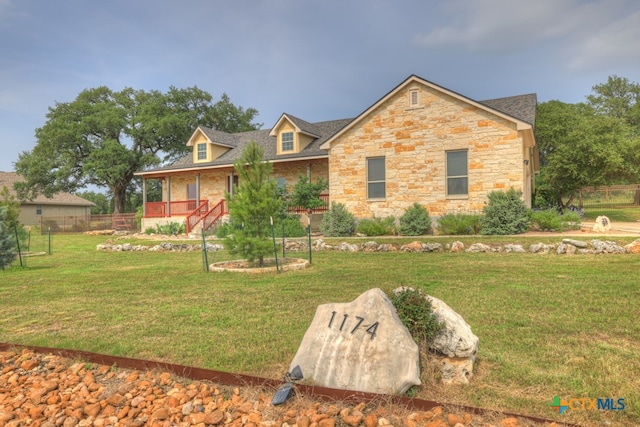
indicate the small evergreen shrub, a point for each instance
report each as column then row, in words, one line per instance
column 415, row 221
column 459, row 224
column 167, row 229
column 505, row 214
column 292, row 227
column 226, row 228
column 338, row 221
column 552, row 220
column 416, row 313
column 377, row 226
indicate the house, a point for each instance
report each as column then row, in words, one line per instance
column 60, row 205
column 419, row 143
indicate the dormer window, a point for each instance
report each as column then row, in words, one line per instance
column 202, row 151
column 287, row 141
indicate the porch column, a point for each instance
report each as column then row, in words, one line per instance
column 309, row 171
column 231, row 183
column 168, row 196
column 144, row 197
column 197, row 190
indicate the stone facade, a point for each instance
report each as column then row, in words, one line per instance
column 413, row 141
column 214, row 182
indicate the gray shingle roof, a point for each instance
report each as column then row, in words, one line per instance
column 522, row 107
column 240, row 140
column 9, row 178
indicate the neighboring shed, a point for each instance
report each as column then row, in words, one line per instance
column 60, row 205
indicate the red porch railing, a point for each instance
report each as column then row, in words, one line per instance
column 214, row 214
column 320, row 209
column 196, row 215
column 160, row 209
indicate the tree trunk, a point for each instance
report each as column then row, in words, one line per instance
column 118, row 200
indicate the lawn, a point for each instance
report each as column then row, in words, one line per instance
column 548, row 325
column 630, row 214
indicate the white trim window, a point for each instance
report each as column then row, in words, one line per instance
column 202, row 151
column 286, row 141
column 457, row 173
column 376, row 178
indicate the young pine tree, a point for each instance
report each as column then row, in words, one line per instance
column 7, row 241
column 254, row 201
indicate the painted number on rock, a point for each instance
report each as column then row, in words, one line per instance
column 352, row 325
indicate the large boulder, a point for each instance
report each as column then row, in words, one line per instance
column 455, row 346
column 361, row 345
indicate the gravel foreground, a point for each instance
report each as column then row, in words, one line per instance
column 46, row 390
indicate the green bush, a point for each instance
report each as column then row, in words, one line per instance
column 415, row 221
column 292, row 227
column 338, row 221
column 505, row 214
column 552, row 220
column 167, row 229
column 459, row 224
column 377, row 226
column 416, row 313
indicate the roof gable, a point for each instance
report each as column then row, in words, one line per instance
column 413, row 79
column 299, row 125
column 212, row 136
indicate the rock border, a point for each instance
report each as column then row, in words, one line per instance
column 291, row 265
column 565, row 247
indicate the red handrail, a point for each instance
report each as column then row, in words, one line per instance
column 196, row 215
column 214, row 214
column 164, row 209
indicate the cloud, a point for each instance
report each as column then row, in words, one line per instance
column 579, row 34
column 613, row 45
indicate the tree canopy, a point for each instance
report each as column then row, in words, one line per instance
column 103, row 137
column 589, row 144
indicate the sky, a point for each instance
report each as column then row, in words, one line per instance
column 317, row 60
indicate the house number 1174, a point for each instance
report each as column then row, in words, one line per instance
column 371, row 330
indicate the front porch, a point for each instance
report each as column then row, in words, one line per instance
column 194, row 212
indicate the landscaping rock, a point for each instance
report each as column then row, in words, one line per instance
column 514, row 248
column 540, row 248
column 602, row 224
column 577, row 243
column 633, row 247
column 361, row 346
column 455, row 344
column 607, row 247
column 457, row 246
column 479, row 247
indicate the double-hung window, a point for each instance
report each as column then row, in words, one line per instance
column 202, row 151
column 376, row 178
column 457, row 173
column 287, row 141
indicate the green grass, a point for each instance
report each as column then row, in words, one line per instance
column 548, row 325
column 631, row 214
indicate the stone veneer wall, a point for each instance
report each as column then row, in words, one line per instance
column 414, row 141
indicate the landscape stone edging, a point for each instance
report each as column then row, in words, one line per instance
column 566, row 246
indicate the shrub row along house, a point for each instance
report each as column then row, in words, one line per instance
column 419, row 143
